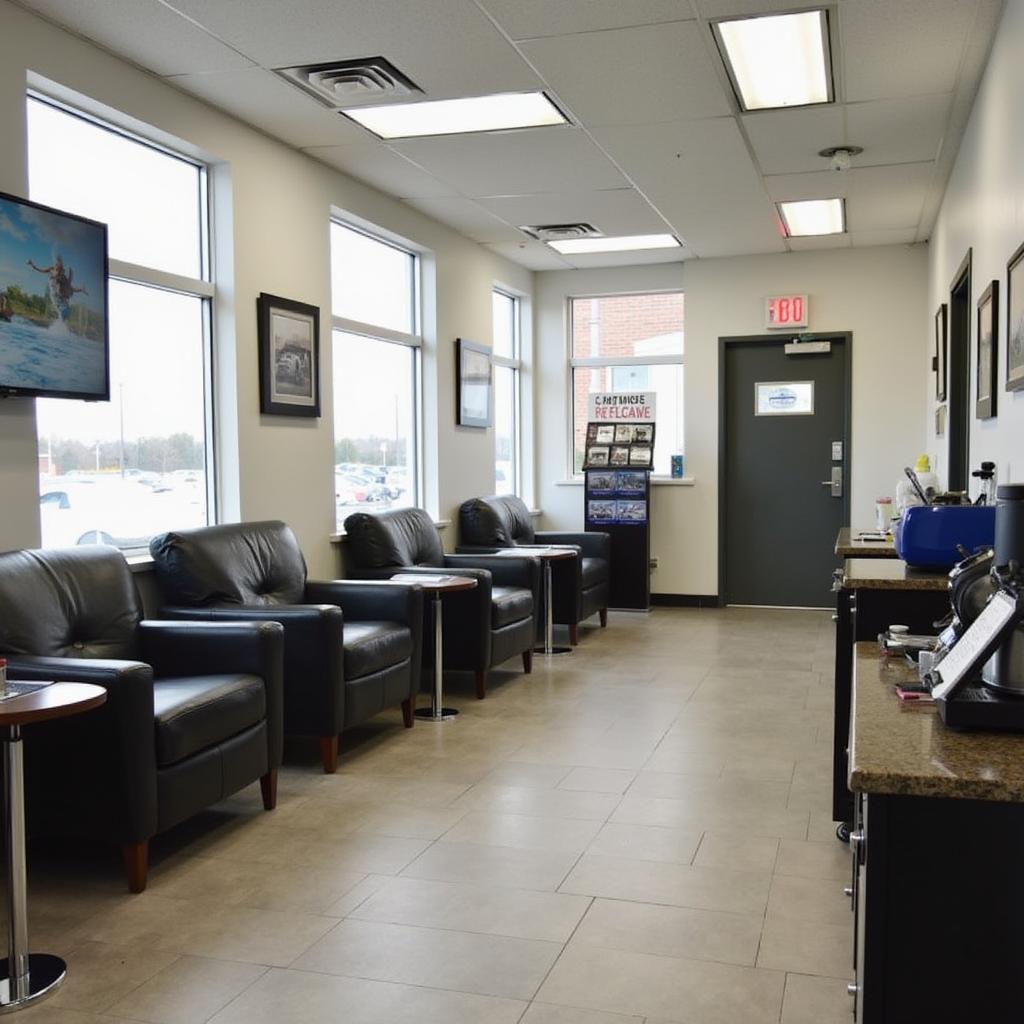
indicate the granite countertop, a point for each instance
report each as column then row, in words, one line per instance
column 904, row 749
column 889, row 574
column 848, row 546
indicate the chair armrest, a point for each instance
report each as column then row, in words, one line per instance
column 370, row 599
column 505, row 570
column 591, row 545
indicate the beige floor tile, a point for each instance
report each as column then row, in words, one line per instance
column 809, row 899
column 297, row 997
column 537, row 776
column 658, row 986
column 490, row 965
column 738, row 853
column 547, row 1013
column 739, row 892
column 805, row 947
column 813, row 860
column 542, row 803
column 647, row 842
column 475, row 908
column 48, row 1013
column 810, row 1000
column 727, row 818
column 522, row 832
column 671, row 931
column 598, row 780
column 190, row 989
column 101, row 973
column 492, row 865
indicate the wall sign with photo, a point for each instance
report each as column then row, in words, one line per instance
column 289, row 343
column 988, row 351
column 939, row 363
column 474, row 388
column 1015, row 321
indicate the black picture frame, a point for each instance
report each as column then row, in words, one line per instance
column 941, row 363
column 288, row 335
column 474, row 384
column 1015, row 321
column 987, row 352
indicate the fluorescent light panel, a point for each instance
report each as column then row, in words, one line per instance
column 813, row 217
column 778, row 61
column 621, row 243
column 460, row 116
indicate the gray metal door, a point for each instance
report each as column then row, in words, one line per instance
column 784, row 472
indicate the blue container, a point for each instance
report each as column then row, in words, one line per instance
column 927, row 536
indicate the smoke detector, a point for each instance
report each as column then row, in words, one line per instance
column 340, row 83
column 561, row 232
column 841, row 156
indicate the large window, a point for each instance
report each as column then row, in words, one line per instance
column 630, row 343
column 119, row 472
column 506, row 353
column 376, row 337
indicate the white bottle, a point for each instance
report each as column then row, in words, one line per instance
column 906, row 495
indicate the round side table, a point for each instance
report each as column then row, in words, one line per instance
column 27, row 977
column 548, row 555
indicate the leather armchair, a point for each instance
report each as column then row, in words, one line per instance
column 351, row 649
column 579, row 585
column 482, row 627
column 193, row 710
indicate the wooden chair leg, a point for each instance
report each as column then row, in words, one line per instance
column 481, row 685
column 603, row 612
column 136, row 864
column 408, row 712
column 527, row 662
column 574, row 634
column 268, row 787
column 329, row 753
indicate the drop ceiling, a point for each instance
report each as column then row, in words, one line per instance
column 657, row 141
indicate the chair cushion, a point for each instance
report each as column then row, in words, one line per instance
column 196, row 712
column 501, row 520
column 401, row 536
column 594, row 571
column 373, row 646
column 509, row 604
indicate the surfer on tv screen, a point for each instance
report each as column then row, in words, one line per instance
column 62, row 287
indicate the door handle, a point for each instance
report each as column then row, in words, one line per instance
column 836, row 483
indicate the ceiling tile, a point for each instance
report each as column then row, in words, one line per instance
column 615, row 212
column 902, row 47
column 886, row 236
column 145, row 32
column 516, row 163
column 526, row 19
column 468, row 218
column 843, row 241
column 906, row 130
column 447, row 47
column 532, row 255
column 787, row 141
column 375, row 164
column 633, row 76
column 717, row 9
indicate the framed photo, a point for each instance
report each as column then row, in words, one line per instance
column 988, row 351
column 1015, row 321
column 941, row 365
column 289, row 342
column 474, row 387
column 597, row 456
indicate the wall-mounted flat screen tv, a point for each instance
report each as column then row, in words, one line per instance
column 54, row 330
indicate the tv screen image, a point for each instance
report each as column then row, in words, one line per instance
column 54, row 333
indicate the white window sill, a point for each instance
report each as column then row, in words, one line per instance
column 656, row 481
column 342, row 537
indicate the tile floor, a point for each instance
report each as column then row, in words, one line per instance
column 638, row 832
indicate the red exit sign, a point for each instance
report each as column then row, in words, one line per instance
column 785, row 311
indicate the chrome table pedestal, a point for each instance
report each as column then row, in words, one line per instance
column 437, row 712
column 549, row 555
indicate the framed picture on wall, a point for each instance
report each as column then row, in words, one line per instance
column 474, row 389
column 988, row 351
column 288, row 334
column 939, row 362
column 1015, row 321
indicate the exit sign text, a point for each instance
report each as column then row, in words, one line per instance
column 785, row 311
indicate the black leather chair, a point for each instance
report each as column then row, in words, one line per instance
column 482, row 627
column 351, row 649
column 580, row 585
column 193, row 710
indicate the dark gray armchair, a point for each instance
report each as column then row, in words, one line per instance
column 193, row 710
column 580, row 585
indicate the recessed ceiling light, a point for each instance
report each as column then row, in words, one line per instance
column 813, row 217
column 621, row 243
column 461, row 116
column 778, row 61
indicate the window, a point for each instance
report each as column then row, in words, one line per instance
column 629, row 343
column 376, row 339
column 506, row 310
column 119, row 472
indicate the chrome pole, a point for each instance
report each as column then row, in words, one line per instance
column 549, row 612
column 438, row 708
column 17, row 902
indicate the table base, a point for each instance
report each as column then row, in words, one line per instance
column 541, row 649
column 45, row 974
column 427, row 714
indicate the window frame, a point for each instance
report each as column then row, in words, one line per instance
column 202, row 288
column 386, row 335
column 515, row 364
column 575, row 362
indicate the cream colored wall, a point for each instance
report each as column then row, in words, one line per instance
column 877, row 294
column 271, row 210
column 983, row 210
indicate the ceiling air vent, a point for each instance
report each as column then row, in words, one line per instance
column 561, row 232
column 343, row 82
